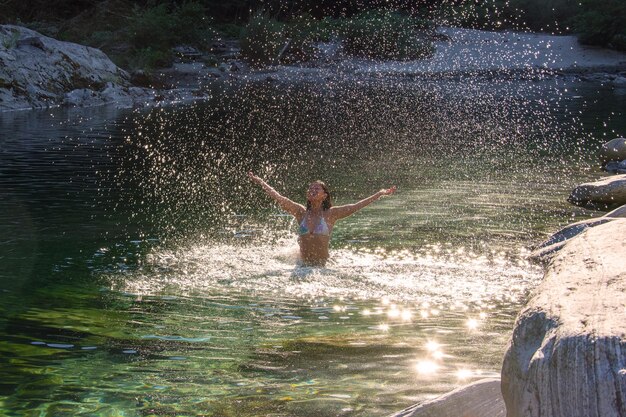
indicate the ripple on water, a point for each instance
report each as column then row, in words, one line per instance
column 430, row 275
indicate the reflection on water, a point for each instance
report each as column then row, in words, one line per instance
column 143, row 274
column 435, row 273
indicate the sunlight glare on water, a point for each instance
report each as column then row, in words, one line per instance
column 431, row 275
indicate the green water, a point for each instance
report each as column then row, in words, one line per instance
column 144, row 275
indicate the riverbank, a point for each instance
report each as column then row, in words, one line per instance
column 70, row 77
column 466, row 53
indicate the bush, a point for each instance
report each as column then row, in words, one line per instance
column 154, row 31
column 302, row 33
column 545, row 15
column 619, row 42
column 602, row 23
column 373, row 34
column 193, row 27
column 261, row 40
column 385, row 35
column 229, row 30
column 149, row 59
column 151, row 28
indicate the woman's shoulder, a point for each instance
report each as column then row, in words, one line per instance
column 330, row 215
column 300, row 213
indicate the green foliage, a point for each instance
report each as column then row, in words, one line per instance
column 228, row 30
column 304, row 31
column 545, row 15
column 193, row 25
column 150, row 28
column 602, row 23
column 152, row 33
column 385, row 35
column 373, row 34
column 328, row 29
column 101, row 39
column 161, row 28
column 311, row 29
column 619, row 42
column 262, row 39
column 149, row 59
column 123, row 28
column 486, row 15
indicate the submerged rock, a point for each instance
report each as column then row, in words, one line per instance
column 608, row 191
column 480, row 399
column 567, row 355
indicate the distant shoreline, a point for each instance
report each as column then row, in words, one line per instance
column 464, row 53
column 459, row 54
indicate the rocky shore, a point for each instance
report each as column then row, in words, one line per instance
column 567, row 353
column 38, row 72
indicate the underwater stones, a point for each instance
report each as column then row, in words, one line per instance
column 567, row 354
column 613, row 150
column 608, row 191
column 480, row 399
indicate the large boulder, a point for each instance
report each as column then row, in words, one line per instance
column 567, row 354
column 545, row 250
column 609, row 191
column 613, row 150
column 38, row 71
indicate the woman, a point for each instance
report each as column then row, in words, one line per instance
column 317, row 219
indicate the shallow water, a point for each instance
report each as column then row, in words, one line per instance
column 144, row 275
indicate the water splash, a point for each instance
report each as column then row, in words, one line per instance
column 434, row 274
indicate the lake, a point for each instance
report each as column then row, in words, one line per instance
column 144, row 274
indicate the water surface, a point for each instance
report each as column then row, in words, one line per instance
column 144, row 275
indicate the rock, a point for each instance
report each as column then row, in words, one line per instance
column 613, row 150
column 480, row 399
column 615, row 167
column 227, row 49
column 567, row 354
column 328, row 51
column 545, row 250
column 187, row 52
column 608, row 191
column 37, row 71
column 235, row 67
column 82, row 97
column 115, row 94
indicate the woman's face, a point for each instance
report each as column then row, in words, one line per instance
column 316, row 192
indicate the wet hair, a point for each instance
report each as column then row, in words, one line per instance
column 327, row 203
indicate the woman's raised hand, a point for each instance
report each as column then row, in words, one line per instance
column 254, row 178
column 388, row 191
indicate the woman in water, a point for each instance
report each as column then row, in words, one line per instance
column 317, row 219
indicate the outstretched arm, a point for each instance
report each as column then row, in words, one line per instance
column 339, row 212
column 286, row 204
